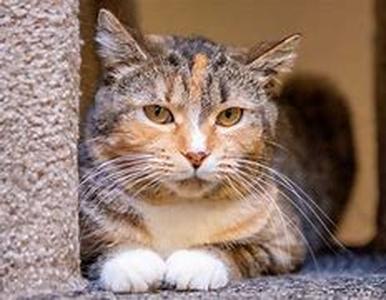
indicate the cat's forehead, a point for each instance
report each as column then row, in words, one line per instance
column 207, row 66
column 190, row 54
column 188, row 48
column 189, row 71
column 201, row 84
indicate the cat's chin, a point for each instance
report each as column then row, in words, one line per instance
column 191, row 188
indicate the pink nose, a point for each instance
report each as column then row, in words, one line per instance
column 196, row 158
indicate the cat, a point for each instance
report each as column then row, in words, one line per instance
column 195, row 171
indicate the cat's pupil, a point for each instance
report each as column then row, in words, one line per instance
column 228, row 114
column 157, row 110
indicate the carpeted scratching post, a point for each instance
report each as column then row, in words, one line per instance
column 380, row 93
column 39, row 92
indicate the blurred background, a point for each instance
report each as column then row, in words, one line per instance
column 338, row 44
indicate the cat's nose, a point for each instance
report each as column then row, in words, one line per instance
column 196, row 158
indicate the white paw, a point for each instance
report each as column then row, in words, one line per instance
column 133, row 271
column 195, row 270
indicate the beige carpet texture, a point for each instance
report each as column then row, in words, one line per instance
column 39, row 92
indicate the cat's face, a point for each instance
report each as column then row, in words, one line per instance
column 183, row 115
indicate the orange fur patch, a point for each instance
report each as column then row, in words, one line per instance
column 239, row 229
column 127, row 137
column 198, row 75
column 180, row 136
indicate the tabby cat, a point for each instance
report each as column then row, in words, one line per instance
column 194, row 172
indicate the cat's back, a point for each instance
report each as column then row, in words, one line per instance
column 316, row 131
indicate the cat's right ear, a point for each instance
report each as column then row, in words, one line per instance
column 116, row 44
column 271, row 59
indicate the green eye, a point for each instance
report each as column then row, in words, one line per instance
column 158, row 114
column 229, row 117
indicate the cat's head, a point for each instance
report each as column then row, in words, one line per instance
column 183, row 114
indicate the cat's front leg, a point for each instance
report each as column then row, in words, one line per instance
column 137, row 270
column 196, row 269
column 214, row 266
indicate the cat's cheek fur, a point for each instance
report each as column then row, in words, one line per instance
column 133, row 271
column 196, row 270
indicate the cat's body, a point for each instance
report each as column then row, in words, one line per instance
column 179, row 163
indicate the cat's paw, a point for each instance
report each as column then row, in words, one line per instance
column 133, row 271
column 195, row 270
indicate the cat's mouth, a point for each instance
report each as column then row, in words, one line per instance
column 191, row 187
column 193, row 180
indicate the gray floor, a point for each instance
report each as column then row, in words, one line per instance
column 353, row 274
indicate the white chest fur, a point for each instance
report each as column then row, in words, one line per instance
column 182, row 225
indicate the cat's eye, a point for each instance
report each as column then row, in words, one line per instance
column 158, row 114
column 229, row 117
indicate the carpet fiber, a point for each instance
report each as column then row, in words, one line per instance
column 354, row 274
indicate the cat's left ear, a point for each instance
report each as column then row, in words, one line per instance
column 116, row 43
column 275, row 58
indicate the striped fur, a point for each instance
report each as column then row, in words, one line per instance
column 138, row 190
